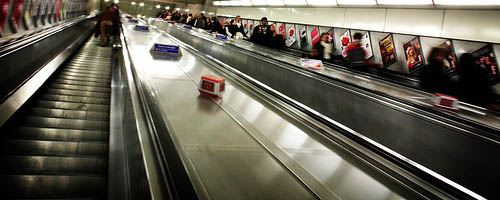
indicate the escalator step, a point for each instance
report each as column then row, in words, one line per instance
column 99, row 76
column 68, row 114
column 86, row 83
column 79, row 87
column 45, row 122
column 75, row 99
column 89, row 67
column 72, row 106
column 49, row 165
column 26, row 186
column 78, row 93
column 88, row 71
column 79, row 78
column 55, row 148
column 54, row 134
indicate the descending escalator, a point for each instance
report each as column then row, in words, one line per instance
column 56, row 145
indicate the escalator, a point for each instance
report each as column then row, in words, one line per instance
column 56, row 145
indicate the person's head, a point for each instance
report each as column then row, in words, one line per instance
column 190, row 15
column 437, row 54
column 169, row 14
column 232, row 21
column 238, row 18
column 410, row 51
column 357, row 36
column 226, row 23
column 272, row 27
column 107, row 8
column 263, row 21
column 164, row 11
column 314, row 52
column 324, row 37
column 175, row 12
column 214, row 19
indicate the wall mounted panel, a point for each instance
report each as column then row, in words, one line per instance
column 477, row 25
column 329, row 16
column 370, row 19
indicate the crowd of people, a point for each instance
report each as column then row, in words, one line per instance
column 471, row 86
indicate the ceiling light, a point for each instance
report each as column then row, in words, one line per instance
column 117, row 1
column 275, row 2
column 141, row 4
column 295, row 2
column 167, row 7
column 158, row 6
column 178, row 9
column 133, row 3
column 259, row 2
column 468, row 2
column 321, row 3
column 234, row 3
column 216, row 3
column 187, row 10
column 404, row 2
column 357, row 2
column 210, row 13
column 106, row 0
column 203, row 12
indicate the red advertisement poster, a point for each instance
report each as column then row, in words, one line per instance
column 4, row 11
column 330, row 35
column 16, row 15
column 485, row 58
column 58, row 8
column 345, row 40
column 315, row 36
column 221, row 22
column 282, row 29
column 414, row 54
column 387, row 50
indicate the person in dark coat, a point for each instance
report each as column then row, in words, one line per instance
column 236, row 27
column 433, row 77
column 274, row 39
column 324, row 47
column 473, row 86
column 217, row 27
column 260, row 32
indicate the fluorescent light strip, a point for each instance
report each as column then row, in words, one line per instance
column 275, row 2
column 356, row 2
column 321, row 2
column 404, row 2
column 295, row 2
column 259, row 2
column 217, row 3
column 467, row 2
column 246, row 3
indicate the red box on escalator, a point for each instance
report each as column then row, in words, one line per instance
column 212, row 85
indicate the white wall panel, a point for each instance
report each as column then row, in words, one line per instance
column 480, row 25
column 414, row 21
column 279, row 14
column 301, row 15
column 370, row 19
column 329, row 16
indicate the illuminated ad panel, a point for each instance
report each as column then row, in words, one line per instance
column 485, row 58
column 387, row 50
column 345, row 40
column 366, row 44
column 414, row 54
column 291, row 36
column 315, row 36
column 4, row 12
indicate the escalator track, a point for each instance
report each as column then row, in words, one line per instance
column 56, row 145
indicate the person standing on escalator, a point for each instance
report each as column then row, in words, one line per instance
column 107, row 18
column 324, row 48
column 260, row 32
column 355, row 53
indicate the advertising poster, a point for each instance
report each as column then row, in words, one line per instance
column 451, row 58
column 4, row 11
column 315, row 36
column 221, row 21
column 245, row 25
column 330, row 35
column 58, row 10
column 387, row 50
column 414, row 54
column 302, row 33
column 345, row 40
column 485, row 58
column 282, row 30
column 367, row 45
column 27, row 13
column 16, row 14
column 291, row 37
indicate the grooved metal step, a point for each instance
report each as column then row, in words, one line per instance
column 56, row 147
column 55, row 134
column 72, row 106
column 68, row 114
column 48, row 165
column 33, row 186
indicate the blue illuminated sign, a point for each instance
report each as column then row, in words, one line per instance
column 166, row 48
column 142, row 28
column 188, row 27
column 222, row 37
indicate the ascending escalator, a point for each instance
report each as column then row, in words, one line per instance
column 56, row 146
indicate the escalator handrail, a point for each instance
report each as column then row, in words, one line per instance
column 11, row 48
